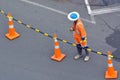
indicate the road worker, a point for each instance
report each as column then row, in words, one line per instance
column 79, row 35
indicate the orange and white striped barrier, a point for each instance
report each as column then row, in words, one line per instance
column 110, row 73
column 12, row 34
column 58, row 56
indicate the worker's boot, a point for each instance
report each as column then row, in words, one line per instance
column 79, row 49
column 77, row 56
column 86, row 58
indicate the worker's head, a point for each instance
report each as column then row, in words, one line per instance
column 73, row 16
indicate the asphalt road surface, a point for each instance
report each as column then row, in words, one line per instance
column 28, row 57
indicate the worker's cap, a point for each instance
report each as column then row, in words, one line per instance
column 73, row 16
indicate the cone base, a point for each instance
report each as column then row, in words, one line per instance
column 58, row 58
column 115, row 75
column 11, row 37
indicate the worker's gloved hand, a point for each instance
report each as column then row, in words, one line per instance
column 83, row 38
column 86, row 47
column 71, row 29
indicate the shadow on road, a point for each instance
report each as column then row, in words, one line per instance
column 114, row 41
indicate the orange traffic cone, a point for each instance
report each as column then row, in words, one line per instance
column 12, row 34
column 58, row 56
column 110, row 73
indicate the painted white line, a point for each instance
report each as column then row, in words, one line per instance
column 45, row 7
column 90, row 12
column 100, row 11
column 88, row 6
column 106, row 10
column 87, row 20
column 51, row 9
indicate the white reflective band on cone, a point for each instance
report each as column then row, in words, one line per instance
column 56, row 40
column 56, row 47
column 11, row 26
column 10, row 19
column 109, row 58
column 110, row 65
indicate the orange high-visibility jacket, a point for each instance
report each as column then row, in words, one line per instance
column 79, row 32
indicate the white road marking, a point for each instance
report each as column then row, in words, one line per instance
column 106, row 10
column 45, row 7
column 90, row 11
column 51, row 9
column 100, row 11
column 88, row 7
